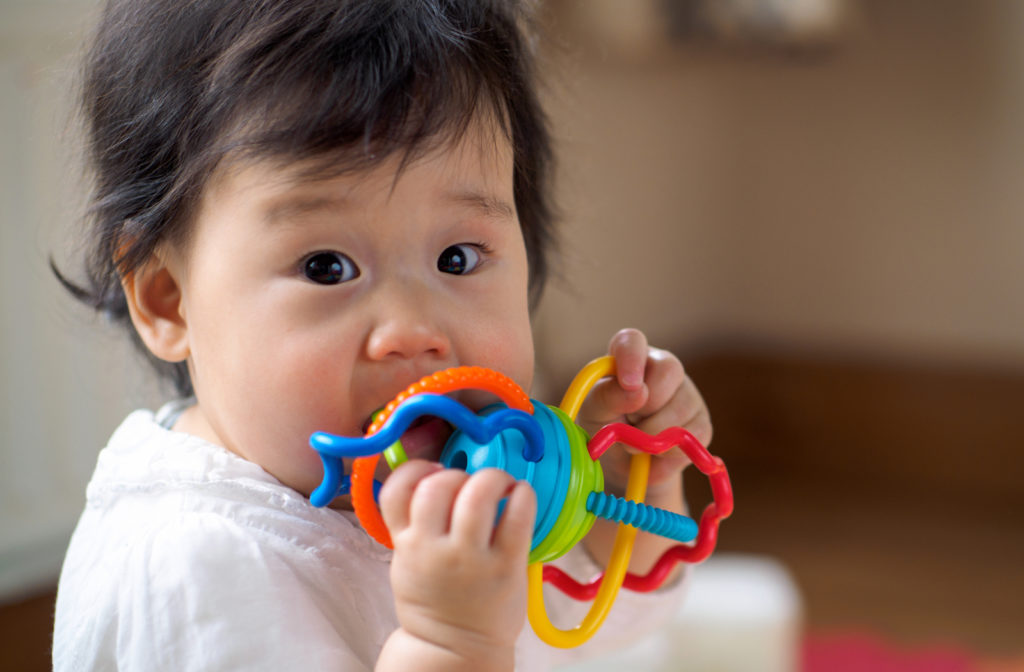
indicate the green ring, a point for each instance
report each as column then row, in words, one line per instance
column 585, row 476
column 395, row 454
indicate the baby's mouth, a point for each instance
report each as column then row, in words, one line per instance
column 425, row 438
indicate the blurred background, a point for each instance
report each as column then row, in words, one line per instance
column 817, row 204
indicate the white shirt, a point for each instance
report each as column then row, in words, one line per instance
column 188, row 557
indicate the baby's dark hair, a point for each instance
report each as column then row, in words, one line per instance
column 169, row 88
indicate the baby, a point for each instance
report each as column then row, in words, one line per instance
column 300, row 208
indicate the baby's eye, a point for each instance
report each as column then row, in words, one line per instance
column 329, row 268
column 459, row 259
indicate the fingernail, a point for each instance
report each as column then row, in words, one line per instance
column 632, row 380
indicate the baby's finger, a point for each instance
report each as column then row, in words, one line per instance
column 609, row 402
column 686, row 409
column 476, row 506
column 700, row 426
column 629, row 348
column 664, row 376
column 431, row 507
column 515, row 529
column 396, row 494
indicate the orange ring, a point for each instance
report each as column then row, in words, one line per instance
column 460, row 378
column 362, row 499
column 448, row 380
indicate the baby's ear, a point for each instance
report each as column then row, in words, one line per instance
column 154, row 303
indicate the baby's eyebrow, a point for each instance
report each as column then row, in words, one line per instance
column 285, row 209
column 490, row 206
column 290, row 207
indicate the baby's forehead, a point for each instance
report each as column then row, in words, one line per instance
column 482, row 139
column 475, row 169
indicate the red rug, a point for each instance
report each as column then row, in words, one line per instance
column 860, row 652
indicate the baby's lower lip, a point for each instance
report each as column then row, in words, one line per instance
column 425, row 440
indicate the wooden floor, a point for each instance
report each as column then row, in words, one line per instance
column 916, row 573
column 25, row 628
column 892, row 493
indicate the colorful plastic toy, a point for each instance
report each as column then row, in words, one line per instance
column 544, row 446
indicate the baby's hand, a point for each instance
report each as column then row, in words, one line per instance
column 651, row 391
column 459, row 581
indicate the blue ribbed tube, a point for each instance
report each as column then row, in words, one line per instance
column 648, row 518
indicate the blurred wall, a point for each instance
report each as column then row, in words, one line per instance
column 65, row 379
column 858, row 196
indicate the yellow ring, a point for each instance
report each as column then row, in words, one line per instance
column 584, row 381
column 625, row 536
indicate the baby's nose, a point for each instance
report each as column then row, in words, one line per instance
column 408, row 326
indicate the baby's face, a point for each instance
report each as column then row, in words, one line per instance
column 310, row 304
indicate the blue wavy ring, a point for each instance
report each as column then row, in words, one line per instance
column 332, row 448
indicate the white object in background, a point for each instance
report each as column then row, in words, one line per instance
column 742, row 613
